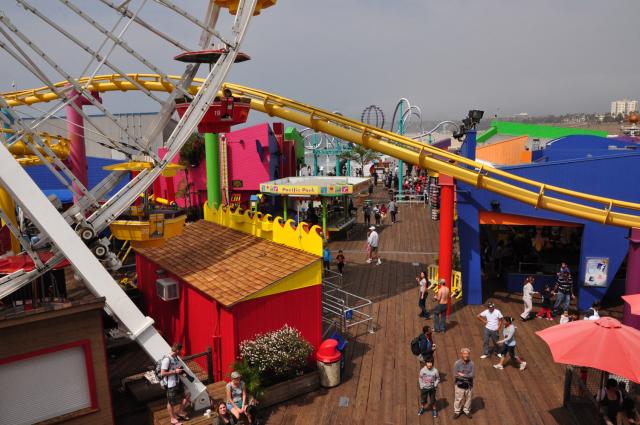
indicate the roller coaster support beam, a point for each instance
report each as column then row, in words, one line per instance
column 75, row 127
column 212, row 160
column 445, row 257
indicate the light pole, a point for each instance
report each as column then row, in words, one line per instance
column 405, row 117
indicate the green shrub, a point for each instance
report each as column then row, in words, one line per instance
column 277, row 355
column 250, row 377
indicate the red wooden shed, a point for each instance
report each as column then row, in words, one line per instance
column 214, row 287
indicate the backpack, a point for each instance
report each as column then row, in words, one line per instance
column 420, row 345
column 157, row 371
column 415, row 346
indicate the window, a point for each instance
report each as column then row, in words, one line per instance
column 47, row 384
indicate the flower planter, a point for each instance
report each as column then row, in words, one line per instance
column 289, row 389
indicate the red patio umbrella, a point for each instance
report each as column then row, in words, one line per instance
column 634, row 302
column 603, row 344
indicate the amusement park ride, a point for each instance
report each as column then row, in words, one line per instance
column 207, row 104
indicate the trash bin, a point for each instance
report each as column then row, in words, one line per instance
column 328, row 359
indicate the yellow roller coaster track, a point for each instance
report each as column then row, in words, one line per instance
column 25, row 156
column 539, row 195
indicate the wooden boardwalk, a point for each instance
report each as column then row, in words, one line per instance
column 380, row 382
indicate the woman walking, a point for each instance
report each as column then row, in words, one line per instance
column 509, row 347
column 527, row 298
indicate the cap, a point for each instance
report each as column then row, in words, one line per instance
column 235, row 375
column 372, row 228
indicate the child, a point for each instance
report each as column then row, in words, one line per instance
column 340, row 261
column 563, row 269
column 565, row 317
column 428, row 380
column 383, row 213
column 326, row 257
column 545, row 308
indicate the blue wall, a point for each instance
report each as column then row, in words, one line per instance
column 613, row 176
column 49, row 184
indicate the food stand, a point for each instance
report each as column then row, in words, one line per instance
column 333, row 193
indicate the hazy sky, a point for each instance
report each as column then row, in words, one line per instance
column 446, row 56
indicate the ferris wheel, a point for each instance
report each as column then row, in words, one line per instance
column 75, row 42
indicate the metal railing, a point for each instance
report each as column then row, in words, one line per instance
column 410, row 198
column 456, row 281
column 343, row 309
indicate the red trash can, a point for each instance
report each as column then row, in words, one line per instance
column 328, row 360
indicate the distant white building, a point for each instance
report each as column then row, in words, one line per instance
column 624, row 107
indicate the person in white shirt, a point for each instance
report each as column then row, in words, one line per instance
column 372, row 241
column 565, row 317
column 170, row 371
column 527, row 297
column 593, row 312
column 492, row 319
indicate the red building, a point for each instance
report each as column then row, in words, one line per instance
column 214, row 287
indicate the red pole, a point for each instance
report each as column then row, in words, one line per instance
column 77, row 152
column 447, row 186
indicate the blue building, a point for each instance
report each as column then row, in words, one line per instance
column 607, row 167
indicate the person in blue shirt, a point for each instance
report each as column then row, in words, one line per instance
column 326, row 258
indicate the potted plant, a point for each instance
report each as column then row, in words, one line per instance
column 277, row 365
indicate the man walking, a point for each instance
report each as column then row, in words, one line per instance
column 170, row 371
column 372, row 241
column 393, row 210
column 492, row 319
column 440, row 310
column 366, row 210
column 463, row 374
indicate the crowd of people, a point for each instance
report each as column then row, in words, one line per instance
column 554, row 300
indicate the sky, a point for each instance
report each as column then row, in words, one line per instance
column 445, row 56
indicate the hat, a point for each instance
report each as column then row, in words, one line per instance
column 235, row 375
column 491, row 305
column 372, row 228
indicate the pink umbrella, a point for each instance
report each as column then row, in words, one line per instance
column 603, row 344
column 634, row 302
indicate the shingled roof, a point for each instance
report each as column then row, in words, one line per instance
column 224, row 263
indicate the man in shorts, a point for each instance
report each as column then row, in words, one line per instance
column 171, row 369
column 428, row 380
column 372, row 242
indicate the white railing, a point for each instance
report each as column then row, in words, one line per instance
column 343, row 309
column 410, row 197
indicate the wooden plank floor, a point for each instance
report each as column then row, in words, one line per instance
column 380, row 381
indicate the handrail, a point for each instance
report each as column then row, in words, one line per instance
column 336, row 301
column 389, row 143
